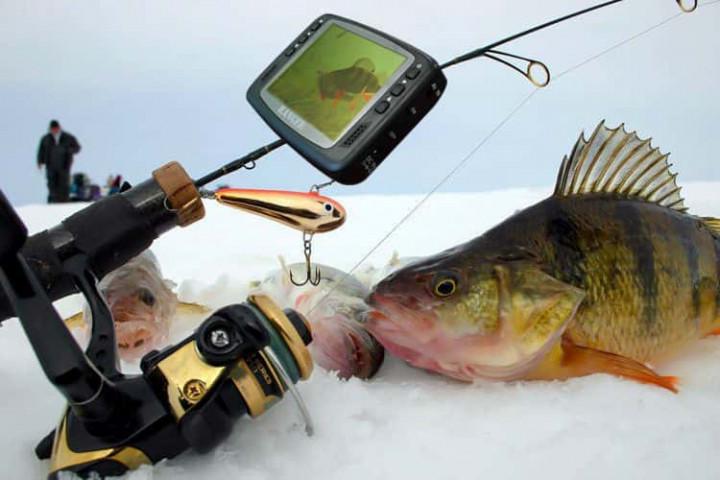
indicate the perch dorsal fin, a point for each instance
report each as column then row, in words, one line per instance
column 713, row 224
column 619, row 163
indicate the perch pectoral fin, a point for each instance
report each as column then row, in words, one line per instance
column 713, row 333
column 338, row 95
column 578, row 361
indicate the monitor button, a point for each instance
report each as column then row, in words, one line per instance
column 302, row 39
column 315, row 26
column 382, row 107
column 398, row 89
column 414, row 72
column 290, row 51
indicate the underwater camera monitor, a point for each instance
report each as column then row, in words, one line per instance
column 344, row 95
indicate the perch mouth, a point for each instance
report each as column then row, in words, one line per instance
column 400, row 309
column 137, row 331
column 416, row 336
column 346, row 349
column 135, row 338
column 138, row 343
column 403, row 328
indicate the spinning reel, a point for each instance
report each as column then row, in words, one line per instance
column 241, row 360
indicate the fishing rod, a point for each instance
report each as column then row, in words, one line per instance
column 482, row 50
column 354, row 165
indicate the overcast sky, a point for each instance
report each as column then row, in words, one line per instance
column 142, row 83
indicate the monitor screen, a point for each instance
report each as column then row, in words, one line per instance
column 334, row 79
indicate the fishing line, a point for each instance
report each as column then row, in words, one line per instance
column 492, row 133
column 618, row 45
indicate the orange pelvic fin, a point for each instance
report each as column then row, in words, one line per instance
column 713, row 333
column 579, row 361
column 338, row 95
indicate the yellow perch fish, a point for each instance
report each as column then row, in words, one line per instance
column 304, row 211
column 606, row 275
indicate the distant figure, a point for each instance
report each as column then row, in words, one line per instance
column 56, row 154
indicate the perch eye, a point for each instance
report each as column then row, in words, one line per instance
column 146, row 297
column 445, row 285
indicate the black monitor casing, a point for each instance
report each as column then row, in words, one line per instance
column 372, row 136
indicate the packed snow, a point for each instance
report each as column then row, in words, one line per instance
column 404, row 423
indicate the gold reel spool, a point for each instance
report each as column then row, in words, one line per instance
column 262, row 379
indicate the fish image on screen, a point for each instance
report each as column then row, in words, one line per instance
column 332, row 81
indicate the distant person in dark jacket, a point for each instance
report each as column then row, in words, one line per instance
column 56, row 154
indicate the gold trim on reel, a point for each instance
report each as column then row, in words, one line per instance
column 64, row 458
column 292, row 339
column 186, row 377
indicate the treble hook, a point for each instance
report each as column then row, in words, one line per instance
column 528, row 72
column 309, row 278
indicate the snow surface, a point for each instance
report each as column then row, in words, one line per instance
column 405, row 423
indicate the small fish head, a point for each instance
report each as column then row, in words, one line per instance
column 141, row 304
column 336, row 309
column 471, row 318
column 340, row 341
column 138, row 327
